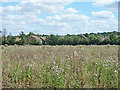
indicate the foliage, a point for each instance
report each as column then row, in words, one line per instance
column 80, row 66
column 88, row 39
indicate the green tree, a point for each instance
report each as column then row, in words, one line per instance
column 118, row 40
column 93, row 39
column 23, row 39
column 52, row 40
column 75, row 41
column 31, row 33
column 68, row 40
column 86, row 34
column 11, row 39
column 113, row 38
column 106, row 41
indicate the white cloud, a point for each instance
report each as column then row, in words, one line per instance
column 73, row 23
column 70, row 10
column 108, row 4
column 68, row 18
column 104, row 21
column 103, row 15
column 57, row 19
column 59, row 24
column 104, row 25
column 37, row 7
column 36, row 0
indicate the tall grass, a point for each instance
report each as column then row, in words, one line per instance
column 60, row 66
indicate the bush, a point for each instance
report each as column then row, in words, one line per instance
column 15, row 45
column 2, row 47
column 37, row 43
column 6, row 45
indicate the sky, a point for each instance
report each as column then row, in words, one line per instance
column 58, row 17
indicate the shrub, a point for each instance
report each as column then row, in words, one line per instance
column 15, row 45
column 6, row 45
column 2, row 47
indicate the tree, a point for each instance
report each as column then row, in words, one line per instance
column 118, row 40
column 37, row 43
column 75, row 41
column 31, row 33
column 93, row 39
column 113, row 38
column 68, row 40
column 52, row 40
column 86, row 34
column 106, row 41
column 4, row 32
column 23, row 39
column 84, row 41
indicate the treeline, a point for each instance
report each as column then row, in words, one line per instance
column 89, row 39
column 81, row 39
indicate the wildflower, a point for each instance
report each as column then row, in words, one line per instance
column 105, row 65
column 95, row 74
column 54, row 62
column 75, row 54
column 57, row 74
column 62, row 69
column 53, row 67
column 87, row 58
column 115, row 71
column 31, row 65
column 113, row 61
column 28, row 64
column 57, row 71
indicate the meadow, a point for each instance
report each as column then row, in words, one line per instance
column 92, row 66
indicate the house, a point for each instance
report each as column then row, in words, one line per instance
column 102, row 39
column 18, row 39
column 32, row 39
column 62, row 37
column 82, row 36
column 43, row 39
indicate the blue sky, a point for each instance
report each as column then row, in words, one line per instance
column 59, row 17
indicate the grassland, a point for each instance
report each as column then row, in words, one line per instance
column 60, row 66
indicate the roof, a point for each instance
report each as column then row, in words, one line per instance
column 18, row 39
column 82, row 36
column 102, row 38
column 43, row 38
column 62, row 36
column 35, row 37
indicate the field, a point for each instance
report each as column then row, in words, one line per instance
column 60, row 66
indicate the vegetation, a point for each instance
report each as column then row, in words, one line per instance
column 88, row 39
column 73, row 61
column 78, row 66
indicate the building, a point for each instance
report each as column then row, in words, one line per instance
column 82, row 36
column 62, row 37
column 32, row 39
column 102, row 39
column 17, row 39
column 43, row 39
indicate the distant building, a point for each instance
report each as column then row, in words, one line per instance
column 32, row 39
column 82, row 36
column 43, row 39
column 62, row 37
column 102, row 39
column 18, row 39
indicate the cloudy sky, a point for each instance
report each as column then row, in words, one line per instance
column 59, row 17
